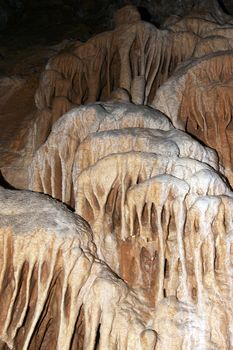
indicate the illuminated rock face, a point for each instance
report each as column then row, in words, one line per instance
column 54, row 292
column 198, row 99
column 135, row 56
column 151, row 268
column 160, row 214
column 161, row 219
column 130, row 63
column 51, row 170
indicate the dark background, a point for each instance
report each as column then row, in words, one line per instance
column 42, row 21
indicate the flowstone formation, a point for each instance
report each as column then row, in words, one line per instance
column 55, row 293
column 136, row 56
column 198, row 99
column 159, row 211
column 160, row 217
column 144, row 257
column 135, row 62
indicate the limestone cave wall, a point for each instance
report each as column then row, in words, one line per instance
column 116, row 214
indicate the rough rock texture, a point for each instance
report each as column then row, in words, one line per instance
column 198, row 99
column 86, row 134
column 54, row 292
column 136, row 56
column 163, row 223
column 126, row 64
column 153, row 269
column 81, row 121
column 18, row 115
column 160, row 215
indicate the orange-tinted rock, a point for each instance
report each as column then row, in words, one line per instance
column 51, row 170
column 54, row 292
column 110, row 177
column 161, row 222
column 155, row 270
column 136, row 57
column 198, row 99
column 129, row 63
column 20, row 130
